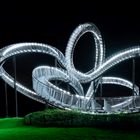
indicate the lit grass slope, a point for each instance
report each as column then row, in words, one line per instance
column 14, row 129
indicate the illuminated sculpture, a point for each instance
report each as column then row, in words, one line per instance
column 46, row 91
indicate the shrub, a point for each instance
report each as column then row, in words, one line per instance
column 64, row 118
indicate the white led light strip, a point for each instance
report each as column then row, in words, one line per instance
column 45, row 91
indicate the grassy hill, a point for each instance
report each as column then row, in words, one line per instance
column 14, row 128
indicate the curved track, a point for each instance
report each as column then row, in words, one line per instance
column 44, row 90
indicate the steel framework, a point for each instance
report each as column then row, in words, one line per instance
column 46, row 91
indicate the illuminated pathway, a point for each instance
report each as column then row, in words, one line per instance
column 46, row 91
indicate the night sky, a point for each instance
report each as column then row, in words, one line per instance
column 120, row 29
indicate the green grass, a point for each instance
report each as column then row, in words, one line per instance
column 14, row 128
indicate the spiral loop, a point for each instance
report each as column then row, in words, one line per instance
column 45, row 90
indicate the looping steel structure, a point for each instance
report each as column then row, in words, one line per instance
column 45, row 91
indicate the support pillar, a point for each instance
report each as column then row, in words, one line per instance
column 133, row 81
column 15, row 79
column 6, row 100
